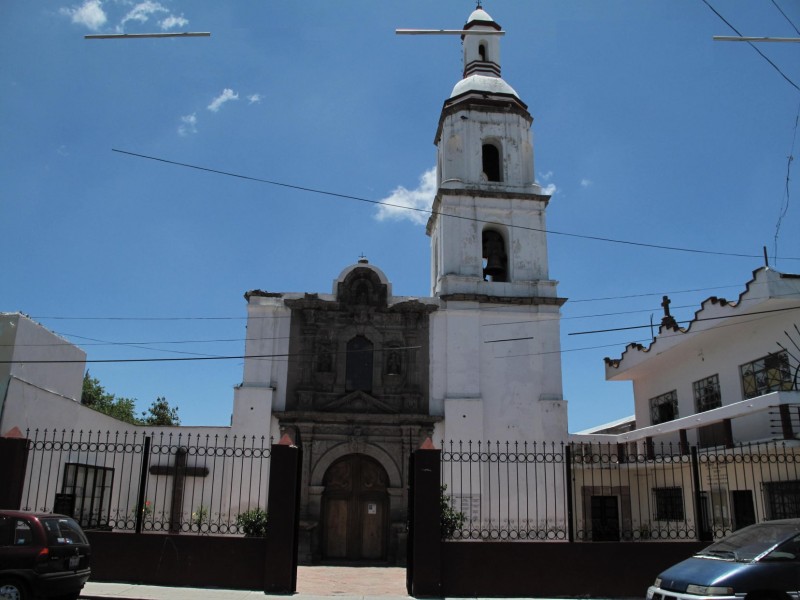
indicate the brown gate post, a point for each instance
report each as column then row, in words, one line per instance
column 280, row 561
column 13, row 463
column 426, row 539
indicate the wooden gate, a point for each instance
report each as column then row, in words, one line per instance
column 355, row 509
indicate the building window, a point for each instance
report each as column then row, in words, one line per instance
column 768, row 374
column 86, row 492
column 359, row 364
column 491, row 163
column 782, row 499
column 706, row 394
column 668, row 504
column 664, row 408
column 482, row 52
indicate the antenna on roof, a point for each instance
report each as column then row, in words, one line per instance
column 766, row 258
column 115, row 36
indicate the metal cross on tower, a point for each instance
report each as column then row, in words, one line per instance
column 449, row 31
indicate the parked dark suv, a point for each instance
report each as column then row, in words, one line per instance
column 41, row 555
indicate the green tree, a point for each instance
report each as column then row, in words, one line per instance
column 161, row 413
column 95, row 396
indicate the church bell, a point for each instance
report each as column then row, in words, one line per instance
column 495, row 268
column 494, row 253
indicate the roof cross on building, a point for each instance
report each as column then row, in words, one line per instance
column 667, row 320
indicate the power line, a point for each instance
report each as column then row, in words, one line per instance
column 571, row 301
column 687, row 321
column 194, row 358
column 720, row 287
column 785, row 201
column 431, row 212
column 639, row 341
column 785, row 16
column 753, row 46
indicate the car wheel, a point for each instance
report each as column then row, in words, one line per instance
column 11, row 589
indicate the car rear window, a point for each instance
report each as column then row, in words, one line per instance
column 63, row 531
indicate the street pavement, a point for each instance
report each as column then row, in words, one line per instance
column 313, row 583
column 345, row 583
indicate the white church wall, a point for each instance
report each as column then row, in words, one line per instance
column 263, row 385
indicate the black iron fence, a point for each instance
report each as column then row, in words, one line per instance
column 157, row 481
column 611, row 492
column 505, row 491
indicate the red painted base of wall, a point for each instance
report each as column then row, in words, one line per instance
column 553, row 570
column 180, row 560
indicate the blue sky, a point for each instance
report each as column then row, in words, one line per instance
column 645, row 130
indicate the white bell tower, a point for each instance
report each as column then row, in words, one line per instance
column 496, row 352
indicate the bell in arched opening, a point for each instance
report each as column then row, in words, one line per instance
column 495, row 266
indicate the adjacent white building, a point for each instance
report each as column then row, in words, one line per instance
column 713, row 445
column 41, row 373
column 723, row 378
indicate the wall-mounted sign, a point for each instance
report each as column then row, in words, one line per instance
column 372, row 509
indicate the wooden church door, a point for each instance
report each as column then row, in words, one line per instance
column 355, row 507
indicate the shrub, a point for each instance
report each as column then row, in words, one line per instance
column 252, row 522
column 451, row 519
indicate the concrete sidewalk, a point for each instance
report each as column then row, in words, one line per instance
column 356, row 583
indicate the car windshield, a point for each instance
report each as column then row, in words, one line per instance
column 63, row 531
column 751, row 542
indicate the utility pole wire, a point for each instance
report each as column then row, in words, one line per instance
column 431, row 212
column 764, row 56
column 785, row 16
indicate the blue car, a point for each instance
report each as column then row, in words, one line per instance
column 759, row 562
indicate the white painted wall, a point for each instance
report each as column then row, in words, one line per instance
column 26, row 343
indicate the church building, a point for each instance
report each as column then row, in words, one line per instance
column 359, row 377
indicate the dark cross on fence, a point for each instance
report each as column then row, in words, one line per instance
column 179, row 472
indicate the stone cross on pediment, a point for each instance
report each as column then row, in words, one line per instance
column 179, row 472
column 667, row 320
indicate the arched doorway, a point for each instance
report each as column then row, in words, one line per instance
column 354, row 509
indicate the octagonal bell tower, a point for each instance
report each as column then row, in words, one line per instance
column 489, row 260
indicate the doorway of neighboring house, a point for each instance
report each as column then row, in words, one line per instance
column 355, row 510
column 605, row 518
column 712, row 435
column 744, row 512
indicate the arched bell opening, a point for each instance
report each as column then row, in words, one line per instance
column 495, row 256
column 491, row 163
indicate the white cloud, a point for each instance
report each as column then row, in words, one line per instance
column 585, row 182
column 142, row 12
column 188, row 124
column 173, row 21
column 410, row 204
column 226, row 95
column 550, row 188
column 254, row 98
column 89, row 14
